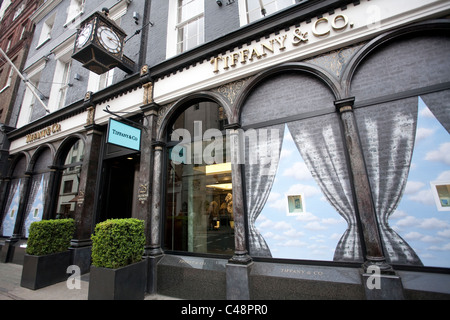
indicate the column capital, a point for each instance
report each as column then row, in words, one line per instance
column 158, row 145
column 232, row 126
column 151, row 108
column 344, row 105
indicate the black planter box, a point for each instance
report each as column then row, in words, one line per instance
column 42, row 271
column 126, row 283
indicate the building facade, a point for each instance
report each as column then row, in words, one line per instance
column 15, row 39
column 286, row 147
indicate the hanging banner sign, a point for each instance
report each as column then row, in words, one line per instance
column 124, row 135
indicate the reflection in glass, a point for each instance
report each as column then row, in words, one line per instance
column 421, row 217
column 70, row 180
column 198, row 203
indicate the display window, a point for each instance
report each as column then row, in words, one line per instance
column 198, row 199
column 70, row 180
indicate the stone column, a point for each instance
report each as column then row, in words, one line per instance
column 85, row 206
column 239, row 266
column 153, row 250
column 375, row 267
column 144, row 207
column 156, row 212
column 146, row 169
column 24, row 193
column 366, row 208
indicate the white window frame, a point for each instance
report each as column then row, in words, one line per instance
column 61, row 78
column 8, row 81
column 243, row 13
column 47, row 28
column 75, row 10
column 174, row 26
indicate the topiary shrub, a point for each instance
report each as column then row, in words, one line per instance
column 117, row 243
column 50, row 236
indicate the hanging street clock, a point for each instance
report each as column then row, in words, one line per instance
column 99, row 45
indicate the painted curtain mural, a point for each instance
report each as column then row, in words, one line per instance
column 422, row 218
column 12, row 206
column 412, row 201
column 36, row 200
column 315, row 229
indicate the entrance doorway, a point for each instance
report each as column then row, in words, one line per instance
column 118, row 187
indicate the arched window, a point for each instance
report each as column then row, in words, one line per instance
column 38, row 189
column 13, row 198
column 198, row 196
column 70, row 180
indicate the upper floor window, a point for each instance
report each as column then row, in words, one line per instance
column 47, row 30
column 18, row 11
column 190, row 27
column 257, row 9
column 186, row 25
column 75, row 9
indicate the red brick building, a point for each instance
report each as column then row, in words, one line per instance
column 16, row 32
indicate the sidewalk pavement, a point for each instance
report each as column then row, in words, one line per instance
column 10, row 288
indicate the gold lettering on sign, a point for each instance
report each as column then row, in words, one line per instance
column 242, row 56
column 322, row 28
column 46, row 132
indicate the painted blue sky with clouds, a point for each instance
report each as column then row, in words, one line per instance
column 315, row 233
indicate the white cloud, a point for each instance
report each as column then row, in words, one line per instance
column 294, row 243
column 428, row 223
column 444, row 233
column 265, row 224
column 445, row 247
column 286, row 153
column 423, row 133
column 440, row 155
column 282, row 225
column 430, row 239
column 413, row 236
column 307, row 216
column 336, row 236
column 444, row 176
column 433, row 223
column 306, row 190
column 315, row 225
column 398, row 214
column 299, row 171
column 423, row 196
column 413, row 186
column 408, row 222
column 293, row 233
column 332, row 221
column 425, row 112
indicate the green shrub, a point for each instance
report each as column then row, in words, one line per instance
column 117, row 243
column 50, row 236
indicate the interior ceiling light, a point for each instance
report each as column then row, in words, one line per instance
column 218, row 168
column 222, row 186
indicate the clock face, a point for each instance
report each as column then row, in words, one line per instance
column 84, row 35
column 109, row 39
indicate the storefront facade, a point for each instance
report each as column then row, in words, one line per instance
column 277, row 162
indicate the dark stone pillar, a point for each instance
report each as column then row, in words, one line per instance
column 366, row 208
column 239, row 266
column 154, row 251
column 24, row 192
column 155, row 219
column 85, row 208
column 386, row 285
column 145, row 193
